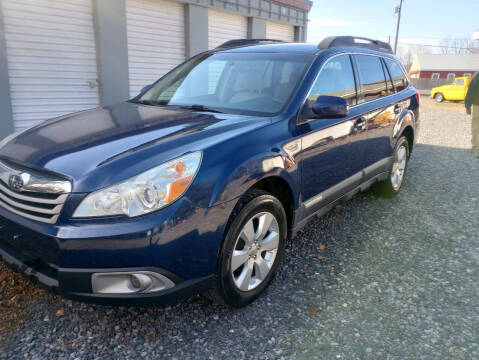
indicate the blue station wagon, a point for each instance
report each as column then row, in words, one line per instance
column 195, row 185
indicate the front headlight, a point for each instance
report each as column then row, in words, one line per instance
column 143, row 193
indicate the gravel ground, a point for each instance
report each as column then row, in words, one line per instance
column 376, row 279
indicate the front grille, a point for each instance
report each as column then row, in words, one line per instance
column 35, row 206
column 40, row 198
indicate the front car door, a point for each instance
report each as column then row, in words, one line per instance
column 457, row 90
column 326, row 157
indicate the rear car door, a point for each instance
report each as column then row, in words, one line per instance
column 327, row 159
column 379, row 111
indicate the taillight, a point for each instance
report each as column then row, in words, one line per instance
column 417, row 96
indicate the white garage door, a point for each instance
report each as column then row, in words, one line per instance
column 51, row 58
column 223, row 26
column 279, row 31
column 156, row 40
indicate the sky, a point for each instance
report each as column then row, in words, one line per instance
column 422, row 21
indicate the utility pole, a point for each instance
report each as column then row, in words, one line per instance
column 398, row 12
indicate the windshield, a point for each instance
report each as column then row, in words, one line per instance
column 245, row 83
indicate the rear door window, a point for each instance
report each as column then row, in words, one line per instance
column 371, row 77
column 399, row 78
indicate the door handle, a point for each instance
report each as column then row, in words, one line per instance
column 360, row 123
column 397, row 109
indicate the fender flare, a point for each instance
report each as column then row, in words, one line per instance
column 407, row 119
column 250, row 172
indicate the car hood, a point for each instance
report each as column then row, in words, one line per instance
column 120, row 137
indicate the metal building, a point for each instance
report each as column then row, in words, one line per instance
column 62, row 56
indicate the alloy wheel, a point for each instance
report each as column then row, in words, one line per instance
column 255, row 251
column 399, row 167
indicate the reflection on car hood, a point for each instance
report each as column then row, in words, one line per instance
column 78, row 144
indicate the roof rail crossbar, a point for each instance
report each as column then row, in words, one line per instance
column 244, row 42
column 335, row 41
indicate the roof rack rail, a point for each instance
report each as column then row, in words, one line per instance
column 334, row 41
column 243, row 42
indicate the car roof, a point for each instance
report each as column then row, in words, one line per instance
column 299, row 48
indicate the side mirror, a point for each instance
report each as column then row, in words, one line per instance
column 146, row 88
column 330, row 107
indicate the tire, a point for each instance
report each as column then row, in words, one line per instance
column 439, row 98
column 392, row 185
column 243, row 242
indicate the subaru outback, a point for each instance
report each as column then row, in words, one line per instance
column 195, row 185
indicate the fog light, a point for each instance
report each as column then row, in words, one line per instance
column 129, row 282
column 140, row 281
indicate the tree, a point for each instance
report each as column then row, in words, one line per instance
column 408, row 53
column 457, row 46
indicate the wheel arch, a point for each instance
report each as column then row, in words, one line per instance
column 408, row 132
column 279, row 188
column 276, row 174
column 405, row 125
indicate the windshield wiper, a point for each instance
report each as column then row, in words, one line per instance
column 199, row 108
column 150, row 102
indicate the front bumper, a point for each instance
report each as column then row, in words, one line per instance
column 180, row 242
column 76, row 283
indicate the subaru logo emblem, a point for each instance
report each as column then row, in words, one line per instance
column 15, row 182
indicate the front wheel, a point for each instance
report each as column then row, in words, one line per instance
column 439, row 98
column 252, row 249
column 391, row 186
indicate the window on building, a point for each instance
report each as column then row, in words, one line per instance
column 371, row 77
column 335, row 79
column 397, row 74
column 467, row 75
column 435, row 76
column 451, row 77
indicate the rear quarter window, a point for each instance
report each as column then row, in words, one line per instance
column 399, row 78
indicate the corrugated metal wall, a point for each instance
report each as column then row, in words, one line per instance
column 51, row 58
column 156, row 40
column 279, row 31
column 223, row 26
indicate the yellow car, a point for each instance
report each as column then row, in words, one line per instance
column 456, row 91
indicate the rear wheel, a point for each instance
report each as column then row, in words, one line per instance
column 391, row 186
column 439, row 97
column 252, row 249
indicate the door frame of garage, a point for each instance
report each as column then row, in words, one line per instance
column 109, row 19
